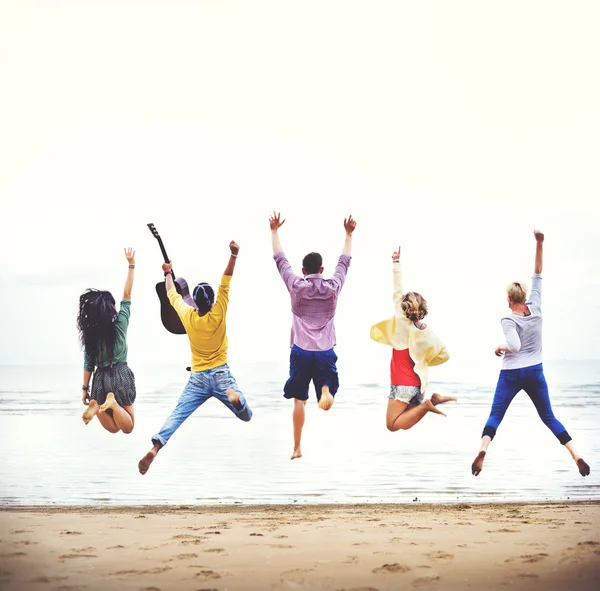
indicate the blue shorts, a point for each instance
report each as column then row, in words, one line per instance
column 318, row 366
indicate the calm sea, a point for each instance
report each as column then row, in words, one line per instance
column 50, row 457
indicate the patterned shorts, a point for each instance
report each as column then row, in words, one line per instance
column 408, row 394
column 119, row 379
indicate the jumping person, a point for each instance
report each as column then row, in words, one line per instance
column 314, row 301
column 211, row 376
column 103, row 335
column 522, row 364
column 415, row 348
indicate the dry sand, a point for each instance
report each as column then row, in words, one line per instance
column 550, row 546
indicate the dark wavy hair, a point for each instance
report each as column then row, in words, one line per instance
column 96, row 324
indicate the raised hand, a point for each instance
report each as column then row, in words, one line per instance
column 349, row 225
column 396, row 256
column 234, row 247
column 129, row 255
column 538, row 236
column 275, row 221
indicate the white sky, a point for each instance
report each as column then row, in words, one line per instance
column 452, row 128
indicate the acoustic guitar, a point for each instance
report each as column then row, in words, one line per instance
column 168, row 315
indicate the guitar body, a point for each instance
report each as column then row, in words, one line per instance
column 168, row 316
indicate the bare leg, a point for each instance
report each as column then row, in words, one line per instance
column 123, row 416
column 408, row 415
column 477, row 465
column 107, row 421
column 298, row 418
column 145, row 462
column 326, row 401
column 582, row 465
column 90, row 411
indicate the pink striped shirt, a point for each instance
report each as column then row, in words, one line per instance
column 314, row 300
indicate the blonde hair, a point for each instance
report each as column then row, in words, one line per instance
column 517, row 292
column 414, row 306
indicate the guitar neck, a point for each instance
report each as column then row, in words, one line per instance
column 162, row 246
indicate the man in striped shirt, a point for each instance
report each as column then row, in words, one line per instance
column 314, row 300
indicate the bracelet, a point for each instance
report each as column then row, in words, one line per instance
column 234, row 255
column 132, row 266
column 168, row 273
column 86, row 388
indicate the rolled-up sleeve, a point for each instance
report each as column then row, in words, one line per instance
column 285, row 270
column 341, row 269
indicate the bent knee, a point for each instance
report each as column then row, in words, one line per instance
column 127, row 430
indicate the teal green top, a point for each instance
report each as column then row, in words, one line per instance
column 120, row 352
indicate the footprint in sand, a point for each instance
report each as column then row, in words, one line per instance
column 280, row 546
column 295, row 575
column 151, row 571
column 208, row 574
column 71, row 533
column 254, row 534
column 440, row 555
column 418, row 527
column 69, row 556
column 350, row 560
column 24, row 543
column 88, row 549
column 280, row 537
column 21, row 531
column 183, row 557
column 391, row 568
column 150, row 589
column 504, row 530
column 422, row 581
column 70, row 588
column 48, row 579
column 117, row 547
column 527, row 576
column 527, row 558
column 13, row 554
column 214, row 550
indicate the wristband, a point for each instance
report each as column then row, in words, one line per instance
column 86, row 388
column 132, row 266
column 234, row 255
column 168, row 273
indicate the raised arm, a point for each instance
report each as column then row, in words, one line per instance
column 275, row 222
column 539, row 251
column 130, row 256
column 397, row 273
column 349, row 226
column 235, row 249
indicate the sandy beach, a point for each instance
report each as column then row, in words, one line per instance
column 550, row 546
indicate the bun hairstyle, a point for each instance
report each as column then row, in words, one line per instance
column 204, row 297
column 414, row 306
column 517, row 292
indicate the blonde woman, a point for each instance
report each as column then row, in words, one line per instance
column 415, row 348
column 522, row 364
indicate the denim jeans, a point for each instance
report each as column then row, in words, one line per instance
column 532, row 380
column 201, row 386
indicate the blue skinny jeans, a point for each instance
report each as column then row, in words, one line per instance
column 532, row 380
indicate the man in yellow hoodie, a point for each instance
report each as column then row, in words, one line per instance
column 211, row 376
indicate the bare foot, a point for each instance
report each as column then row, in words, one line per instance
column 584, row 468
column 477, row 465
column 109, row 403
column 233, row 397
column 90, row 411
column 145, row 462
column 326, row 401
column 297, row 454
column 439, row 399
column 432, row 408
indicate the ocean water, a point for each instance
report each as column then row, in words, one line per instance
column 50, row 457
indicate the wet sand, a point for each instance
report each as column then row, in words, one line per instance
column 550, row 546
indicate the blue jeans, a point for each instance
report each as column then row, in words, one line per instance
column 201, row 386
column 532, row 380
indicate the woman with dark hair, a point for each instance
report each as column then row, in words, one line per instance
column 103, row 335
column 415, row 348
column 522, row 367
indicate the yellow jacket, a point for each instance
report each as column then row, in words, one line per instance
column 424, row 347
